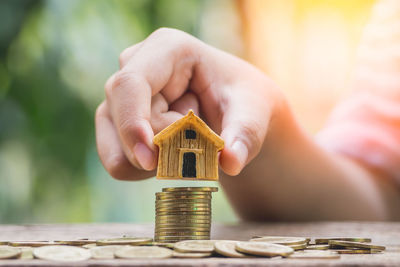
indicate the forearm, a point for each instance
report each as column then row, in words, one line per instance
column 294, row 179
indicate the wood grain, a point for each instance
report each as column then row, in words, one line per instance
column 172, row 143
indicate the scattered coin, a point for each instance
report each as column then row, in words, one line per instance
column 89, row 246
column 124, row 241
column 30, row 243
column 7, row 252
column 191, row 189
column 317, row 247
column 177, row 254
column 351, row 239
column 350, row 244
column 316, row 254
column 26, row 253
column 61, row 253
column 131, row 252
column 357, row 251
column 281, row 240
column 195, row 246
column 263, row 249
column 161, row 244
column 298, row 247
column 104, row 252
column 77, row 242
column 227, row 248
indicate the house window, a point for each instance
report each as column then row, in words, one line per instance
column 190, row 134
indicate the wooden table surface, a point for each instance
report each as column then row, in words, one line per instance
column 387, row 233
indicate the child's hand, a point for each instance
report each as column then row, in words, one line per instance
column 159, row 80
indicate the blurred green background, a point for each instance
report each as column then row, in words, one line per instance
column 55, row 57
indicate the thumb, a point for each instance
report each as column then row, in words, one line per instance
column 244, row 135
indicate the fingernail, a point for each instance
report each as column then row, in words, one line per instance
column 144, row 156
column 241, row 152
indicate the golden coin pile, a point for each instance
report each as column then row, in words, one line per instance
column 183, row 213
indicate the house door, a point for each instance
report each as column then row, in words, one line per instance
column 189, row 164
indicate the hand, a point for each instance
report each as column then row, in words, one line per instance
column 159, row 80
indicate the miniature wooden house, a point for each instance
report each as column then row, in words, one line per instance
column 188, row 149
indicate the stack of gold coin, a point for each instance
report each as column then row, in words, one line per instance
column 183, row 213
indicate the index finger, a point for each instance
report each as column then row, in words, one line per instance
column 130, row 91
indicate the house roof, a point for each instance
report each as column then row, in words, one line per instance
column 198, row 123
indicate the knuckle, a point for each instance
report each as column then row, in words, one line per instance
column 252, row 130
column 132, row 127
column 127, row 79
column 178, row 41
column 123, row 57
column 164, row 31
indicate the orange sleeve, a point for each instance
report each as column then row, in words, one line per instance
column 366, row 127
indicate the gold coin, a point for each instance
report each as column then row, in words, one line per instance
column 61, row 253
column 184, row 217
column 30, row 243
column 26, row 253
column 187, row 223
column 124, row 241
column 159, row 244
column 7, row 252
column 351, row 239
column 104, row 252
column 227, row 248
column 181, row 230
column 281, row 240
column 177, row 254
column 131, row 252
column 298, row 247
column 187, row 213
column 182, row 233
column 175, row 223
column 183, row 201
column 183, row 205
column 349, row 244
column 189, row 198
column 357, row 251
column 178, row 209
column 190, row 189
column 183, row 194
column 315, row 254
column 195, row 246
column 89, row 246
column 79, row 242
column 317, row 247
column 263, row 249
column 180, row 238
column 183, row 226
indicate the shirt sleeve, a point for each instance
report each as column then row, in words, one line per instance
column 366, row 126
